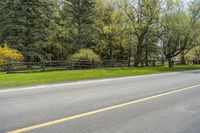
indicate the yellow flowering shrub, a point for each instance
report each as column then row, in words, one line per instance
column 8, row 54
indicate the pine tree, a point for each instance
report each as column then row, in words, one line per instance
column 79, row 20
column 27, row 25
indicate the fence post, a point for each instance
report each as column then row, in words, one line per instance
column 29, row 65
column 111, row 63
column 93, row 63
column 43, row 65
column 9, row 68
column 72, row 65
column 162, row 62
column 154, row 63
column 66, row 64
column 142, row 63
column 129, row 63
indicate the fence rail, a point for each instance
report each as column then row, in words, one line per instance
column 54, row 65
column 69, row 65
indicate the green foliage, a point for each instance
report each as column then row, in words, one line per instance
column 78, row 18
column 111, row 31
column 115, row 29
column 180, row 30
column 143, row 16
column 27, row 26
column 86, row 54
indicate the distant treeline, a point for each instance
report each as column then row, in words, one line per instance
column 138, row 30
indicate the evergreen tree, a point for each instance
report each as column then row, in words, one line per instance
column 27, row 25
column 79, row 16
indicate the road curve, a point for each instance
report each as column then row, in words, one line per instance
column 175, row 112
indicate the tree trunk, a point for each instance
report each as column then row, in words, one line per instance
column 137, row 60
column 183, row 62
column 129, row 57
column 146, row 56
column 163, row 60
column 30, row 60
column 170, row 62
column 138, row 56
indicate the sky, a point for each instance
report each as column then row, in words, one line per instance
column 186, row 1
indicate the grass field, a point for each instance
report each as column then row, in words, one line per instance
column 36, row 78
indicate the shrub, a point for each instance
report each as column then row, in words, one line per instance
column 86, row 54
column 8, row 54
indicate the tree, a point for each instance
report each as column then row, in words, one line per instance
column 114, row 29
column 194, row 54
column 27, row 26
column 110, row 30
column 194, row 28
column 179, row 33
column 144, row 15
column 78, row 17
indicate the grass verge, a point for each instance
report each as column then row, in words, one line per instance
column 25, row 79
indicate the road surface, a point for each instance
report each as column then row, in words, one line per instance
column 159, row 103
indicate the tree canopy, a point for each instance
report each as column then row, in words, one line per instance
column 139, row 30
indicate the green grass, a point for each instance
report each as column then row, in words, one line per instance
column 24, row 79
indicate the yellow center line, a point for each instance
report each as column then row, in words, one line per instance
column 100, row 110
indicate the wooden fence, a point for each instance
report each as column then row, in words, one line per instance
column 17, row 67
column 55, row 65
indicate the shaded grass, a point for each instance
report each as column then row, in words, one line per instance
column 24, row 79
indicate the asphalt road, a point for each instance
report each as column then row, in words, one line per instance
column 160, row 103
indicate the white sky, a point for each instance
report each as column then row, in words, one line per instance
column 186, row 1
